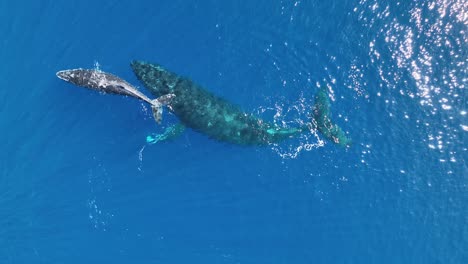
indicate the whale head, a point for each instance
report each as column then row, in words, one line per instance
column 155, row 78
column 82, row 77
column 67, row 75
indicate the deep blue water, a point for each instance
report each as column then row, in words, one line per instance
column 78, row 184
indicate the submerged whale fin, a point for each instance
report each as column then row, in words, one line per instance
column 321, row 120
column 157, row 104
column 284, row 131
column 168, row 134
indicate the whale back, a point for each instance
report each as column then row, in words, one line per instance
column 203, row 111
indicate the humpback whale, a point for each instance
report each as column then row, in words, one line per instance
column 109, row 83
column 219, row 119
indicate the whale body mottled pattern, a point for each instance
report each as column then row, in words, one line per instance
column 211, row 115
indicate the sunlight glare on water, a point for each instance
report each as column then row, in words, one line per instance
column 428, row 45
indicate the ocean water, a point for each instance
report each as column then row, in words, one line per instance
column 79, row 184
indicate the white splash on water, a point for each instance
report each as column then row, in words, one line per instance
column 97, row 66
column 292, row 115
column 140, row 158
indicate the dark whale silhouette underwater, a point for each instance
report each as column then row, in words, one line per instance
column 204, row 112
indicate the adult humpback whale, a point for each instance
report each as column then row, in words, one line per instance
column 221, row 120
column 109, row 83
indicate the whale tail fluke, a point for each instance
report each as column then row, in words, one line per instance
column 157, row 112
column 322, row 122
column 158, row 103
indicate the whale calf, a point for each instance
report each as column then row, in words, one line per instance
column 109, row 83
column 219, row 119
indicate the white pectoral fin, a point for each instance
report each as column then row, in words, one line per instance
column 157, row 112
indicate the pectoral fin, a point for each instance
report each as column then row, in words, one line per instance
column 170, row 133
